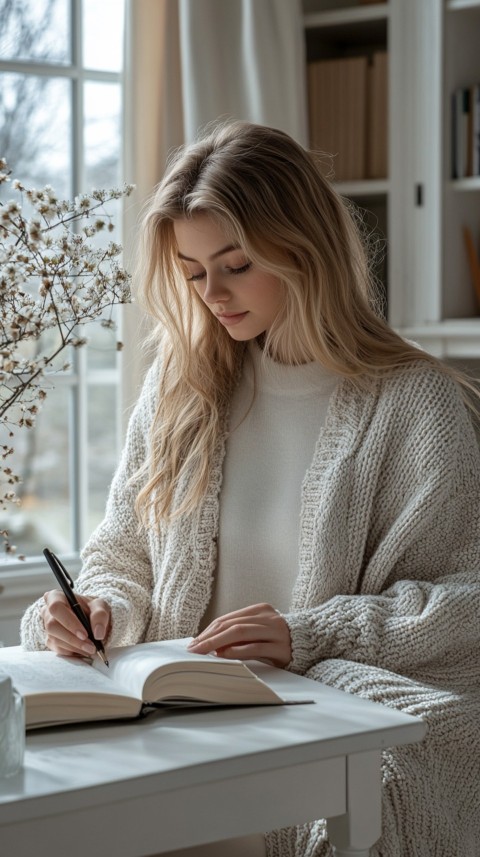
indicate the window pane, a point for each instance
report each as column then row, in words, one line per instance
column 41, row 459
column 103, row 34
column 37, row 30
column 102, row 343
column 102, row 135
column 35, row 130
column 102, row 448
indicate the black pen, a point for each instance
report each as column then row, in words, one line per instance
column 66, row 583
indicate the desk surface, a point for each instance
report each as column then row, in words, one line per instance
column 74, row 769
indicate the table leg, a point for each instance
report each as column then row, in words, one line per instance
column 354, row 833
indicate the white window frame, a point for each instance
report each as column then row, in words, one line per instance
column 22, row 580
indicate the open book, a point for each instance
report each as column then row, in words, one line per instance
column 61, row 690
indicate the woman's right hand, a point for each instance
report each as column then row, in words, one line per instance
column 65, row 634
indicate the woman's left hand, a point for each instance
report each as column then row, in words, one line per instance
column 257, row 632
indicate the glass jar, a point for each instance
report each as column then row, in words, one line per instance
column 12, row 728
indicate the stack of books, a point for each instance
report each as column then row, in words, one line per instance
column 348, row 109
column 466, row 131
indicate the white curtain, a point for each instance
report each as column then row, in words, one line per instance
column 188, row 62
column 243, row 59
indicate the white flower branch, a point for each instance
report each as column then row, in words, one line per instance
column 51, row 278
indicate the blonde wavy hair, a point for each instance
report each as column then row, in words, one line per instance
column 269, row 196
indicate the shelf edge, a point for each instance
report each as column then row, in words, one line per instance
column 470, row 183
column 352, row 15
column 449, row 338
column 459, row 5
column 363, row 187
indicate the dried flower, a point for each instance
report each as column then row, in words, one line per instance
column 50, row 277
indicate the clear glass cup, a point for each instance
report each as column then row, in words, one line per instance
column 12, row 728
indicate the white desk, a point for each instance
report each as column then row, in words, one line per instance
column 182, row 778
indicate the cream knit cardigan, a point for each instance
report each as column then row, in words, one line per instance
column 387, row 600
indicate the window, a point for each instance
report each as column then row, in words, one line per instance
column 60, row 123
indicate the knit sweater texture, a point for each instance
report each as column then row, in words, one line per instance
column 387, row 599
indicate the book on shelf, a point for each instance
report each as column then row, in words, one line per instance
column 473, row 262
column 475, row 128
column 377, row 123
column 466, row 131
column 60, row 690
column 337, row 113
column 348, row 105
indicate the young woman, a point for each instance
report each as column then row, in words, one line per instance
column 299, row 483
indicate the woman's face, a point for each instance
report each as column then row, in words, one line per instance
column 242, row 298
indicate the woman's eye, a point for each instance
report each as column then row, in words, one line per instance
column 240, row 270
column 194, row 278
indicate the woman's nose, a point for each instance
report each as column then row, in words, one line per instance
column 215, row 290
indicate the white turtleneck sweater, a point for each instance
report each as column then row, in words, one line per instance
column 276, row 416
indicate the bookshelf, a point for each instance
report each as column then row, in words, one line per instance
column 461, row 39
column 343, row 42
column 417, row 208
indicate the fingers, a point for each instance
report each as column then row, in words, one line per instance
column 65, row 634
column 256, row 632
column 100, row 617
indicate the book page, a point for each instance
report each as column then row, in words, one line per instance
column 167, row 670
column 130, row 667
column 58, row 689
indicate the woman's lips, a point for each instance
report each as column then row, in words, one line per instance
column 230, row 318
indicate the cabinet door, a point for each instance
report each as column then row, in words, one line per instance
column 416, row 158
